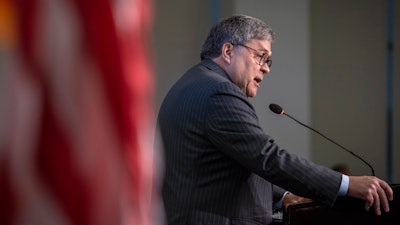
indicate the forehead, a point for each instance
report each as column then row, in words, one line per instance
column 261, row 45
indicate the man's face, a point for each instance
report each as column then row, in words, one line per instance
column 247, row 66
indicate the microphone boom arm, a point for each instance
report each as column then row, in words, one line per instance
column 327, row 138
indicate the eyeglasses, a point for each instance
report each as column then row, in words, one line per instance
column 264, row 58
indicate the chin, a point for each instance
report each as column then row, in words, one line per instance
column 251, row 91
column 252, row 94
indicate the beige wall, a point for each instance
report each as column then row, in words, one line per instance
column 396, row 95
column 179, row 29
column 349, row 61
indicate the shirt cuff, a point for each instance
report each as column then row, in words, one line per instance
column 344, row 186
column 278, row 204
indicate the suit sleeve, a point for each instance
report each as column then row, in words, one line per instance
column 233, row 126
column 278, row 193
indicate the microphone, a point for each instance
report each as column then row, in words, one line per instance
column 279, row 110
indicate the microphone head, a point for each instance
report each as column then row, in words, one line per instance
column 276, row 109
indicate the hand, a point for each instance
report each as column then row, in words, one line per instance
column 373, row 190
column 292, row 199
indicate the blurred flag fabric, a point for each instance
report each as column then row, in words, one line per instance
column 76, row 113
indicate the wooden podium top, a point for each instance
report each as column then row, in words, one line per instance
column 346, row 211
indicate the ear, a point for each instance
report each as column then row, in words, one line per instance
column 226, row 52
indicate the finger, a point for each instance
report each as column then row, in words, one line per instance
column 384, row 199
column 368, row 202
column 377, row 202
column 367, row 205
column 388, row 190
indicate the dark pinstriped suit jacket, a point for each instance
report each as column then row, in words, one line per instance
column 219, row 164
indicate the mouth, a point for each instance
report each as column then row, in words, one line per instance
column 258, row 80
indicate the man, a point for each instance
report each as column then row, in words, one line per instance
column 219, row 164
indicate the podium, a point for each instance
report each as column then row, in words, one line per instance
column 346, row 211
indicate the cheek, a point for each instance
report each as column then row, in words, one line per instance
column 239, row 76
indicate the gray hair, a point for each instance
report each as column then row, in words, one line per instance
column 237, row 29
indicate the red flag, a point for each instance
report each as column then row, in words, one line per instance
column 76, row 141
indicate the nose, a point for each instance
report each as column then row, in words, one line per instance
column 265, row 68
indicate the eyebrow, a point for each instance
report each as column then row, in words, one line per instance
column 266, row 51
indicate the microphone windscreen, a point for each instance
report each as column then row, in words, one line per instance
column 276, row 109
